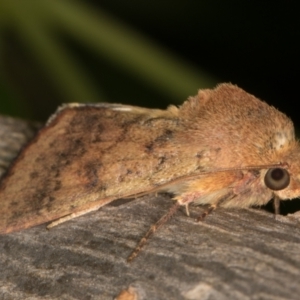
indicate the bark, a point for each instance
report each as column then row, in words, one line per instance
column 233, row 254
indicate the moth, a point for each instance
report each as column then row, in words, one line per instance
column 222, row 147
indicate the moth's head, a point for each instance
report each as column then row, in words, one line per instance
column 285, row 182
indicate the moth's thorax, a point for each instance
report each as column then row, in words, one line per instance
column 243, row 129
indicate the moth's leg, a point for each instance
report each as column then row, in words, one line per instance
column 72, row 216
column 152, row 229
column 212, row 207
column 276, row 204
column 187, row 209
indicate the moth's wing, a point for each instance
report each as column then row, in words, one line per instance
column 90, row 155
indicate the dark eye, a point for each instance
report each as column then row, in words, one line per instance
column 277, row 179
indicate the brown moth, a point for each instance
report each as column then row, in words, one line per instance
column 223, row 147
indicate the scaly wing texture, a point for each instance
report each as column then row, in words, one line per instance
column 88, row 155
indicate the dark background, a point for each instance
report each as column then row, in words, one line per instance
column 253, row 44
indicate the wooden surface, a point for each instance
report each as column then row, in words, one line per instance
column 234, row 254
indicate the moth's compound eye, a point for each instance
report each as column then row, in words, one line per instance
column 277, row 179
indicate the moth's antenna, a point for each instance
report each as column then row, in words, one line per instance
column 257, row 167
column 179, row 179
column 165, row 218
column 220, row 170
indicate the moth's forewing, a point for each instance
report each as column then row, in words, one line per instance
column 88, row 155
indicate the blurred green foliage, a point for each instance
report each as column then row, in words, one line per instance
column 42, row 45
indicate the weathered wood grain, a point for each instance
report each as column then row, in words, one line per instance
column 234, row 254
